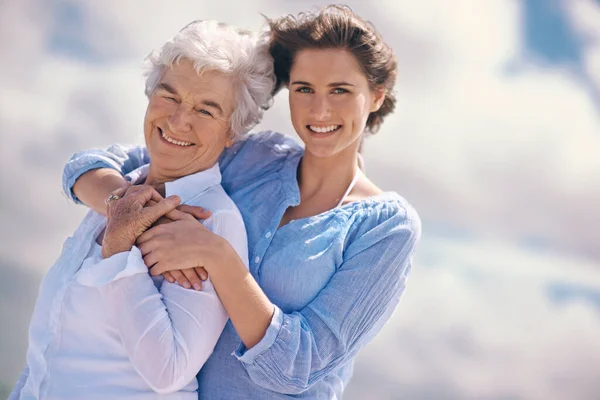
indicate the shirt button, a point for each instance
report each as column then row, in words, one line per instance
column 257, row 259
column 268, row 235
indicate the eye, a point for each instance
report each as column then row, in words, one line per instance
column 205, row 112
column 340, row 91
column 304, row 89
column 170, row 98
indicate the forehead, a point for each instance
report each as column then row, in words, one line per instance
column 210, row 85
column 326, row 64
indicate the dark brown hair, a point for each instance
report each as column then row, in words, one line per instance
column 336, row 27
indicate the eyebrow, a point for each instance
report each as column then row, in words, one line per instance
column 167, row 87
column 208, row 103
column 333, row 84
column 213, row 104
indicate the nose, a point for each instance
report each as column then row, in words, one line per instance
column 320, row 108
column 179, row 121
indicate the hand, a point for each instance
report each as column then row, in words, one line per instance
column 191, row 277
column 174, row 247
column 128, row 217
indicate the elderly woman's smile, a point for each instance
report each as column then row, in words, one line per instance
column 187, row 121
column 172, row 141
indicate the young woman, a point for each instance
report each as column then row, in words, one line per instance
column 329, row 251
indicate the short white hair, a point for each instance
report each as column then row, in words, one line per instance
column 214, row 46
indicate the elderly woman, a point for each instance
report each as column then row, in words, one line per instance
column 102, row 326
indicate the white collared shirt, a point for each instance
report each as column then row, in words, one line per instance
column 103, row 328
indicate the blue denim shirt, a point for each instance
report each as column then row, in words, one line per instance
column 334, row 278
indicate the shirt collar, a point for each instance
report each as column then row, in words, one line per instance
column 185, row 187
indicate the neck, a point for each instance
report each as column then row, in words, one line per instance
column 159, row 178
column 326, row 177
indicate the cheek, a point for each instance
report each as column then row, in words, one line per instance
column 299, row 104
column 159, row 110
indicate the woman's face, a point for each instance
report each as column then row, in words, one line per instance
column 330, row 101
column 187, row 121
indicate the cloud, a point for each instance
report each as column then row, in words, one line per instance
column 479, row 320
column 499, row 144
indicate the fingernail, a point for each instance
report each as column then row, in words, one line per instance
column 186, row 285
column 197, row 287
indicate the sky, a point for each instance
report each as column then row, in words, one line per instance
column 495, row 142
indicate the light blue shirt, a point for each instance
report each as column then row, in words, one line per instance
column 105, row 329
column 334, row 278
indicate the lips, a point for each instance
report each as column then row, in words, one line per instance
column 173, row 141
column 323, row 129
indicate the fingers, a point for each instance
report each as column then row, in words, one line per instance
column 159, row 269
column 150, row 259
column 156, row 211
column 186, row 278
column 192, row 278
column 149, row 234
column 181, row 279
column 197, row 212
column 201, row 272
column 169, row 277
column 147, row 193
column 177, row 215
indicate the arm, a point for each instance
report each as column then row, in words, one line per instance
column 169, row 333
column 301, row 347
column 90, row 176
column 288, row 352
column 167, row 338
column 16, row 392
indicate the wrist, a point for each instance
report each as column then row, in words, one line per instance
column 110, row 250
column 225, row 258
column 112, row 246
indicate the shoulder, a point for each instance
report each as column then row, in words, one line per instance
column 261, row 147
column 274, row 141
column 384, row 217
column 254, row 155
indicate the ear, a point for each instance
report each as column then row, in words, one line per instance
column 378, row 98
column 229, row 141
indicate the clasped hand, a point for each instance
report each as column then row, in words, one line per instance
column 164, row 231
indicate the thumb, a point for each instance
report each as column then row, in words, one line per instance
column 153, row 213
column 177, row 215
column 197, row 212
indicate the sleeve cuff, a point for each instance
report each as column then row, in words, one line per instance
column 248, row 356
column 107, row 270
column 69, row 178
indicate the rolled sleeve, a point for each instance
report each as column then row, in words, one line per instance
column 248, row 356
column 118, row 157
column 302, row 347
column 107, row 270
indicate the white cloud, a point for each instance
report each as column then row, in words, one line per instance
column 510, row 146
column 478, row 321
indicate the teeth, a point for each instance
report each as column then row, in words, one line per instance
column 323, row 129
column 177, row 142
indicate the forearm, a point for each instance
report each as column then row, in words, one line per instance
column 93, row 187
column 249, row 308
column 169, row 333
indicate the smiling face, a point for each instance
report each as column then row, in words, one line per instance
column 330, row 101
column 186, row 126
